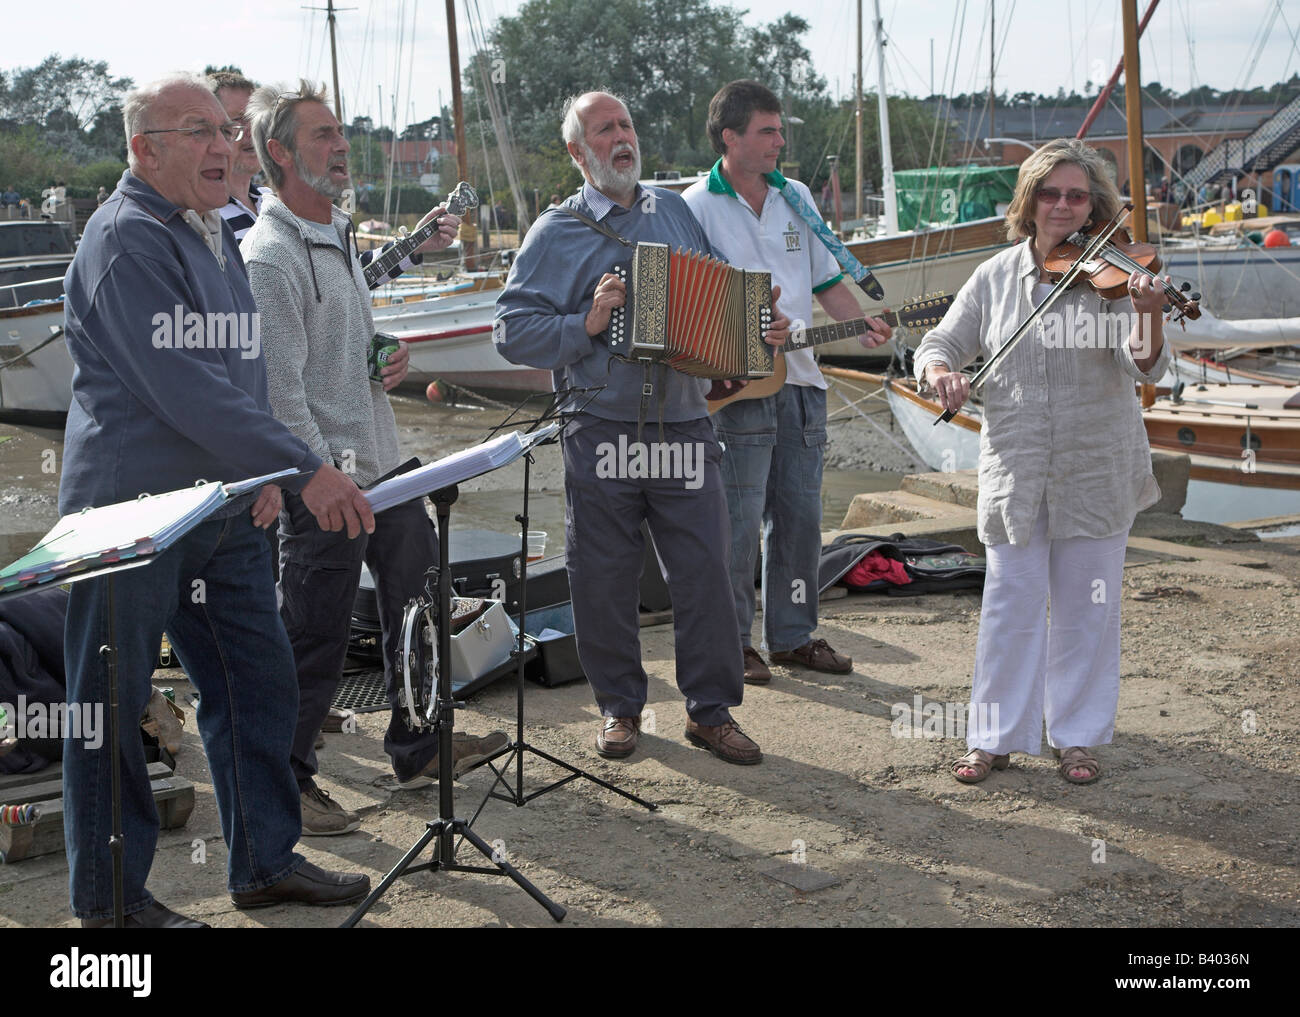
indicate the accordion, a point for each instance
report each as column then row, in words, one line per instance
column 699, row 315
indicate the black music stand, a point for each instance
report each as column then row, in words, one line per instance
column 447, row 827
column 514, row 752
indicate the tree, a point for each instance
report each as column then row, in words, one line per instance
column 67, row 92
column 425, row 130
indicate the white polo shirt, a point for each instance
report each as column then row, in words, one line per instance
column 774, row 239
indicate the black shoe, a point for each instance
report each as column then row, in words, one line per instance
column 155, row 916
column 309, row 885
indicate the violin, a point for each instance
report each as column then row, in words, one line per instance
column 1107, row 265
column 1108, row 268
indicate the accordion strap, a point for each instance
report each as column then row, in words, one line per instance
column 647, row 386
column 599, row 227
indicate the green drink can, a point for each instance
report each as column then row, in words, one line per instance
column 382, row 346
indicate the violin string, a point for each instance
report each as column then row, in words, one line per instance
column 1122, row 260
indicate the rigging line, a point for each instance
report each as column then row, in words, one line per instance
column 1265, row 33
column 308, row 38
column 1006, row 34
column 1192, row 76
column 410, row 64
column 1295, row 48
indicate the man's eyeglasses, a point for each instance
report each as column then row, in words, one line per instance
column 232, row 131
column 1051, row 195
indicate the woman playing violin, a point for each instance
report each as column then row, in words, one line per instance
column 1064, row 467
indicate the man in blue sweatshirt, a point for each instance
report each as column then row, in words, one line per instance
column 169, row 389
column 554, row 313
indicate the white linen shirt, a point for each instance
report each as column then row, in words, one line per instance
column 772, row 239
column 1061, row 420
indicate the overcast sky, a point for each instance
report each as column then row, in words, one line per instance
column 1043, row 45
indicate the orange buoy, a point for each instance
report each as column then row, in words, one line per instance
column 1276, row 238
column 434, row 392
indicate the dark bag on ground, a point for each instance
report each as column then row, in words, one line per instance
column 932, row 566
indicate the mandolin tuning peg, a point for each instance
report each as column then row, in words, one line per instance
column 1166, row 308
column 1186, row 286
column 1196, row 296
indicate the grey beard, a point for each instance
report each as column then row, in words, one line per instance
column 605, row 177
column 321, row 184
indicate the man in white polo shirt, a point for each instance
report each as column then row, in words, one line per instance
column 773, row 446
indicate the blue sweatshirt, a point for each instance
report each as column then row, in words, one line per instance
column 148, row 414
column 541, row 313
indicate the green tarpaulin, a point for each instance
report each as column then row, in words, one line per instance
column 952, row 194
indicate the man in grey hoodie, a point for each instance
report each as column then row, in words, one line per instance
column 316, row 331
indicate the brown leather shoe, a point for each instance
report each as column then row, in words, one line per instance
column 756, row 672
column 617, row 738
column 816, row 655
column 726, row 741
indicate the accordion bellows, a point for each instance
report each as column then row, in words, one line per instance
column 700, row 315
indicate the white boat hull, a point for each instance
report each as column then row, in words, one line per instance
column 1239, row 282
column 451, row 340
column 903, row 281
column 38, row 384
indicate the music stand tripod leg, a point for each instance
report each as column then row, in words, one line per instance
column 516, row 794
column 447, row 827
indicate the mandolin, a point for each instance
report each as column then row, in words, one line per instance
column 920, row 314
column 459, row 201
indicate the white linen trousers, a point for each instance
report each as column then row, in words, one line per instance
column 1065, row 670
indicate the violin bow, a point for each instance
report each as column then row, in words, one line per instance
column 1067, row 280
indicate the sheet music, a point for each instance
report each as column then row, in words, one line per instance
column 457, row 467
column 100, row 538
column 104, row 536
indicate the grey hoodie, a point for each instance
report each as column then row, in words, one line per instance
column 316, row 332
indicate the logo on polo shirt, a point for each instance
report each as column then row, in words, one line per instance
column 791, row 238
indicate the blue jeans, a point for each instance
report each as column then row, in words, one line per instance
column 212, row 593
column 773, row 449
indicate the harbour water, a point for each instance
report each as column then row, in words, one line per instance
column 30, row 458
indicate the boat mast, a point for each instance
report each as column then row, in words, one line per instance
column 468, row 244
column 334, row 61
column 330, row 10
column 886, row 153
column 1133, row 111
column 857, row 116
column 992, row 131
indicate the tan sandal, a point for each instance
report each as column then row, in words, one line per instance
column 979, row 761
column 1076, row 757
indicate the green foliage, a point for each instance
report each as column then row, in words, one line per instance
column 61, row 93
column 62, row 121
column 30, row 163
column 666, row 57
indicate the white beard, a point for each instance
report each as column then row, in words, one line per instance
column 607, row 179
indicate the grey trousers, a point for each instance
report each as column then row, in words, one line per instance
column 610, row 486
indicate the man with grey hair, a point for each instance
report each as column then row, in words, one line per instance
column 317, row 329
column 554, row 313
column 155, row 417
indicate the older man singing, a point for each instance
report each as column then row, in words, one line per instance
column 145, row 419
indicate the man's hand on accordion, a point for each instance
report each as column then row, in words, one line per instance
column 779, row 331
column 611, row 292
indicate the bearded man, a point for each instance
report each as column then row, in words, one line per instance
column 554, row 313
column 316, row 333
